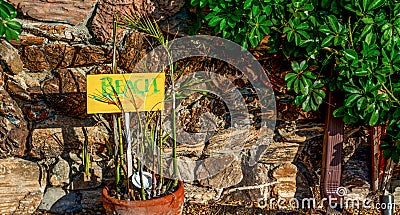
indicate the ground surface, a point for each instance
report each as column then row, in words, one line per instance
column 197, row 209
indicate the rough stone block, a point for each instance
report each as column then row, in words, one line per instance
column 286, row 178
column 67, row 11
column 59, row 175
column 280, row 152
column 20, row 188
column 10, row 56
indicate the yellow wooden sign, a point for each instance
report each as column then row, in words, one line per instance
column 112, row 93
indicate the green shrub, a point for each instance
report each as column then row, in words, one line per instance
column 8, row 26
column 358, row 39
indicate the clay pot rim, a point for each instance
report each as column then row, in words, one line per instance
column 168, row 199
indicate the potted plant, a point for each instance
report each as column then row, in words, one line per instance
column 138, row 189
column 358, row 41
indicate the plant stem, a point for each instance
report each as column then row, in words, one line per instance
column 350, row 33
column 121, row 143
column 116, row 119
column 142, row 193
column 128, row 147
column 114, row 57
column 154, row 148
column 390, row 94
column 172, row 79
column 116, row 158
column 85, row 153
column 160, row 169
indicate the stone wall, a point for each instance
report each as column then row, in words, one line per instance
column 43, row 120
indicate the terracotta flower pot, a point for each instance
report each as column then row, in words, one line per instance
column 171, row 204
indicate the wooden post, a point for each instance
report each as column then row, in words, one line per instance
column 374, row 140
column 332, row 150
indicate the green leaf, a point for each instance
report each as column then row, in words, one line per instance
column 303, row 26
column 361, row 103
column 386, row 26
column 351, row 101
column 214, row 21
column 253, row 40
column 267, row 9
column 2, row 29
column 350, row 54
column 318, row 84
column 306, row 105
column 384, row 105
column 313, row 105
column 11, row 34
column 368, row 20
column 211, row 16
column 385, row 145
column 309, row 75
column 369, row 38
column 350, row 7
column 297, row 39
column 317, row 98
column 308, row 7
column 395, row 156
column 361, row 72
column 290, row 36
column 351, row 89
column 382, row 97
column 370, row 108
column 396, row 114
column 303, row 65
column 289, row 76
column 11, row 9
column 327, row 41
column 287, row 30
column 374, row 118
column 226, row 34
column 296, row 66
column 256, row 10
column 290, row 82
column 222, row 24
column 339, row 112
column 194, row 2
column 203, row 3
column 265, row 29
column 365, row 4
column 304, row 87
column 299, row 100
column 304, row 34
column 387, row 153
column 375, row 4
column 296, row 86
column 231, row 23
column 325, row 4
column 314, row 21
column 333, row 23
column 320, row 92
column 324, row 29
column 367, row 29
column 4, row 13
column 247, row 4
column 14, row 25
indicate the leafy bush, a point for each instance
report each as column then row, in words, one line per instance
column 356, row 40
column 8, row 26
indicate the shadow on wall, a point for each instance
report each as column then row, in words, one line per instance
column 57, row 143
